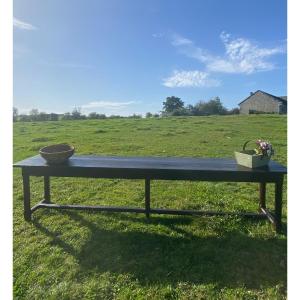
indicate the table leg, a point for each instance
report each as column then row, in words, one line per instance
column 147, row 197
column 278, row 204
column 26, row 193
column 262, row 195
column 47, row 189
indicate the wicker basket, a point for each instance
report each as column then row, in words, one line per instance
column 57, row 154
column 248, row 158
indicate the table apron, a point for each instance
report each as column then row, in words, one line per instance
column 156, row 175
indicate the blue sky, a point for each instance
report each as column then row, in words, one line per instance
column 127, row 56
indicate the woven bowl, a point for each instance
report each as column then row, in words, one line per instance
column 57, row 154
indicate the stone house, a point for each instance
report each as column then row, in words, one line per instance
column 262, row 102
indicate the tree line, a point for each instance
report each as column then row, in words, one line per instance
column 173, row 106
column 34, row 115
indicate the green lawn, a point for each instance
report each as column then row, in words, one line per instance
column 82, row 255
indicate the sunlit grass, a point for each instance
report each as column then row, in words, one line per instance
column 81, row 255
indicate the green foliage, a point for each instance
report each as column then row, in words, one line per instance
column 15, row 114
column 34, row 112
column 115, row 117
column 35, row 116
column 233, row 111
column 172, row 103
column 76, row 114
column 175, row 107
column 67, row 116
column 53, row 117
column 24, row 118
column 82, row 255
column 94, row 115
column 135, row 116
column 211, row 107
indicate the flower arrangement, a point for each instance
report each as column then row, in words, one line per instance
column 264, row 148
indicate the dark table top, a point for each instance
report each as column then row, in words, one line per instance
column 151, row 163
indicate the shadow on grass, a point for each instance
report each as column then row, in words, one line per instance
column 233, row 259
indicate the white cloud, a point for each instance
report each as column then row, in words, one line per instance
column 107, row 104
column 178, row 40
column 241, row 55
column 157, row 35
column 23, row 25
column 190, row 79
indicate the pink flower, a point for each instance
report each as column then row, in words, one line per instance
column 264, row 148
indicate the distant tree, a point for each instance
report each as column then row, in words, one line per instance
column 179, row 112
column 24, row 118
column 135, row 116
column 15, row 114
column 114, row 117
column 42, row 116
column 76, row 113
column 172, row 103
column 67, row 116
column 34, row 114
column 234, row 111
column 102, row 116
column 93, row 115
column 212, row 107
column 53, row 117
column 149, row 115
column 192, row 110
column 156, row 115
column 200, row 109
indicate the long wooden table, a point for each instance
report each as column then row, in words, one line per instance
column 154, row 168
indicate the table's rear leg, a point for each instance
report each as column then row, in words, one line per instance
column 26, row 193
column 278, row 204
column 47, row 189
column 262, row 195
column 147, row 197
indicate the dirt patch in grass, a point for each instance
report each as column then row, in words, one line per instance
column 100, row 131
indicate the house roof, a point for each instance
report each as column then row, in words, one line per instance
column 280, row 98
column 283, row 98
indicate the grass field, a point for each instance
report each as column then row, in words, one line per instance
column 82, row 255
